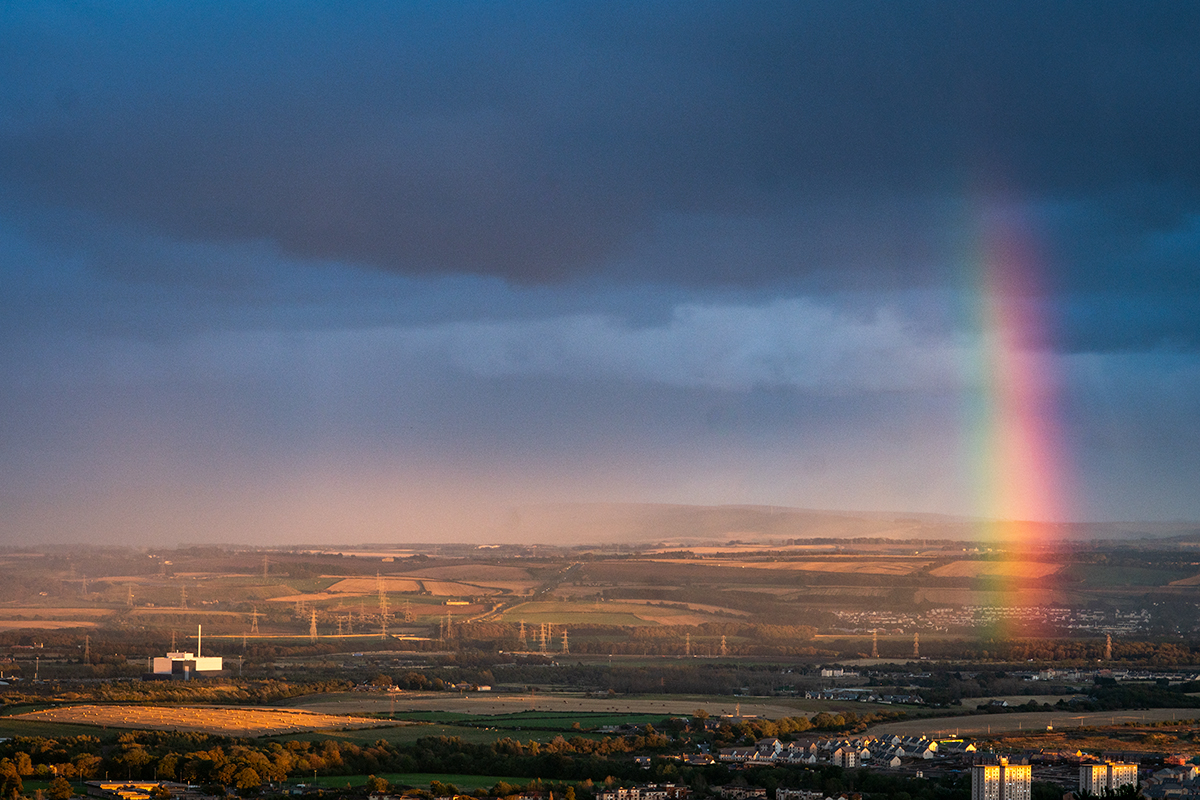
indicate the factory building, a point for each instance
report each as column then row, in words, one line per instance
column 184, row 666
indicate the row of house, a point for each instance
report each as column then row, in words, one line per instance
column 885, row 752
column 799, row 794
column 1181, row 783
column 734, row 792
column 650, row 791
column 863, row 696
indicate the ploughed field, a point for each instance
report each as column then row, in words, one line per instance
column 224, row 721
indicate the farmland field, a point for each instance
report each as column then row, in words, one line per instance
column 475, row 573
column 1106, row 576
column 607, row 613
column 45, row 624
column 487, row 703
column 984, row 724
column 999, row 569
column 441, row 588
column 357, row 586
column 864, row 566
column 55, row 612
column 225, row 721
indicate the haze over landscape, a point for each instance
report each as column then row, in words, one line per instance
column 282, row 273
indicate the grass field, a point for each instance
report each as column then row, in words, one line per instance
column 407, row 734
column 1104, row 576
column 223, row 721
column 11, row 727
column 421, row 780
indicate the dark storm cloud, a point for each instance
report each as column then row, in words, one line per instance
column 538, row 141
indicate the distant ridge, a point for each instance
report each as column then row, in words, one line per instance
column 641, row 523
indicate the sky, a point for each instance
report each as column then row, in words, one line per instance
column 279, row 272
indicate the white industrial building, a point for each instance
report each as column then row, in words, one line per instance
column 183, row 666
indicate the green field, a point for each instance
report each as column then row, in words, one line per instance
column 10, row 728
column 1103, row 576
column 406, row 734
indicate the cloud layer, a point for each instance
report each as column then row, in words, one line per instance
column 698, row 252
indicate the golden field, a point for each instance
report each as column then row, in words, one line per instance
column 224, row 721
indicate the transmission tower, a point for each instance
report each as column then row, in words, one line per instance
column 408, row 612
column 874, row 644
column 383, row 616
column 521, row 637
column 312, row 627
column 87, row 649
column 183, row 597
column 916, row 645
column 350, row 623
column 254, row 620
column 543, row 641
column 687, row 646
column 566, row 649
column 449, row 627
column 173, row 647
column 724, row 649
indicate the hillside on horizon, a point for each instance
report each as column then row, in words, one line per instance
column 684, row 525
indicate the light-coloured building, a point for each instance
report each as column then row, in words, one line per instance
column 183, row 666
column 1106, row 777
column 1001, row 781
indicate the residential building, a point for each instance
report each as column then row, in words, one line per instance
column 1106, row 777
column 1000, row 781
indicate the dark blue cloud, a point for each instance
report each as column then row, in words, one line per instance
column 533, row 142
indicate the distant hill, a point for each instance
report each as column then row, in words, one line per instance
column 685, row 525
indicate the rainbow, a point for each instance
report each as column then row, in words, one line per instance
column 1013, row 421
